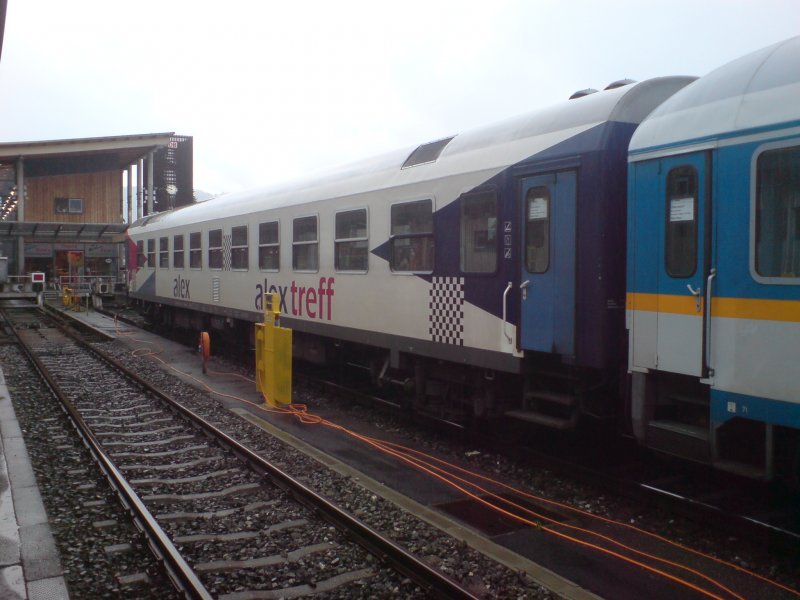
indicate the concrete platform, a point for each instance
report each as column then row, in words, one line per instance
column 29, row 562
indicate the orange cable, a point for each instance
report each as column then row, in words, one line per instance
column 300, row 412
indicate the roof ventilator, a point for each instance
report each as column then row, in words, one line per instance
column 619, row 83
column 582, row 93
column 426, row 153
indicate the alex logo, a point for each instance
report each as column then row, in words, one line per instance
column 181, row 288
column 312, row 302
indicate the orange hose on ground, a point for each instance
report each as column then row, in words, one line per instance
column 405, row 454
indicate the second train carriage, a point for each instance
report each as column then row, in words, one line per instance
column 486, row 268
column 714, row 268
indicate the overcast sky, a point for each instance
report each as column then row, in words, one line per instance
column 274, row 89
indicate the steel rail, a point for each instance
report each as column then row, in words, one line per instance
column 763, row 533
column 379, row 546
column 179, row 571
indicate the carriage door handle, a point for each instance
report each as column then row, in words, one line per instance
column 524, row 287
column 711, row 275
column 696, row 294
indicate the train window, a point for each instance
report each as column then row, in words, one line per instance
column 680, row 249
column 305, row 246
column 412, row 236
column 177, row 252
column 352, row 241
column 215, row 249
column 537, row 230
column 269, row 249
column 195, row 251
column 239, row 248
column 163, row 252
column 479, row 233
column 141, row 259
column 778, row 213
column 151, row 253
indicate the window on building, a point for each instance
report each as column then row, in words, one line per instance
column 680, row 250
column 141, row 259
column 163, row 253
column 479, row 233
column 305, row 245
column 239, row 247
column 269, row 249
column 177, row 252
column 412, row 236
column 72, row 206
column 215, row 249
column 151, row 253
column 351, row 242
column 777, row 242
column 537, row 230
column 195, row 251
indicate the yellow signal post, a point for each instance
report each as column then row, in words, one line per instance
column 273, row 355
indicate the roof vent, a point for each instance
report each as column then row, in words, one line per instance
column 426, row 153
column 619, row 83
column 582, row 93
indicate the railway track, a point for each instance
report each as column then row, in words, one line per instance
column 768, row 515
column 215, row 512
column 566, row 522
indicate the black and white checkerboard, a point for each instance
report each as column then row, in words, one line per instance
column 446, row 307
column 226, row 252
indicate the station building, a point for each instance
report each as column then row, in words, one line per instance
column 66, row 204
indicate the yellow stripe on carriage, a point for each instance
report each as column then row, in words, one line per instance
column 728, row 308
column 679, row 305
column 756, row 309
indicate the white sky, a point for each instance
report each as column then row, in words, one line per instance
column 273, row 89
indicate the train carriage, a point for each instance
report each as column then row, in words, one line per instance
column 714, row 268
column 494, row 252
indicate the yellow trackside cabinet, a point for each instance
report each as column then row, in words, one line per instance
column 273, row 356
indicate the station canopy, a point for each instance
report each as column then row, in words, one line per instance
column 55, row 231
column 72, row 155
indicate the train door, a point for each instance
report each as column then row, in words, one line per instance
column 547, row 322
column 684, row 264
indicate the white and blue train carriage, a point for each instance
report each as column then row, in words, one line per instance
column 486, row 268
column 713, row 303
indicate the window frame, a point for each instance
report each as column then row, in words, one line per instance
column 68, row 206
column 141, row 257
column 151, row 253
column 276, row 245
column 337, row 241
column 215, row 252
column 245, row 246
column 754, row 233
column 163, row 254
column 196, row 251
column 465, row 197
column 393, row 237
column 297, row 244
column 668, row 199
column 548, row 220
column 178, row 252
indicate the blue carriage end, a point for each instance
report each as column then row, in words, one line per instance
column 729, row 405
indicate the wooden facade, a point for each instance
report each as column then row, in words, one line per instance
column 70, row 218
column 101, row 193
